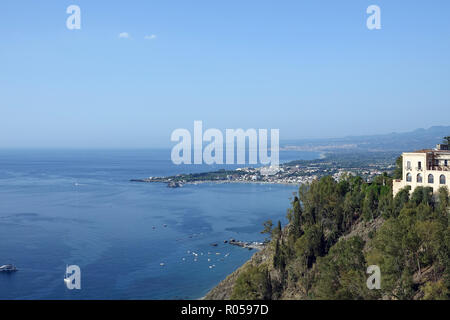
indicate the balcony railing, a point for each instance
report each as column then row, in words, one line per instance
column 439, row 168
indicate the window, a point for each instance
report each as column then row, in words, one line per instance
column 446, row 162
column 408, row 165
column 408, row 177
column 419, row 165
column 442, row 179
column 430, row 178
column 419, row 178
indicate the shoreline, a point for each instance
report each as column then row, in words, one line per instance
column 223, row 182
column 296, row 172
column 259, row 248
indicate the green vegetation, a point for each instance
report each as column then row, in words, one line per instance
column 220, row 175
column 337, row 229
column 398, row 172
column 446, row 140
column 253, row 284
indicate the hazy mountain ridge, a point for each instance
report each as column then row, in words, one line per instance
column 405, row 141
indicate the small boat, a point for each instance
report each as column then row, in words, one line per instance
column 8, row 268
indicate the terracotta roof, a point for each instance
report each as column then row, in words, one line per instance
column 423, row 151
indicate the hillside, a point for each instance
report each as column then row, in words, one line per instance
column 336, row 230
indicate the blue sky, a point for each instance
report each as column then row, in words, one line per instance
column 309, row 68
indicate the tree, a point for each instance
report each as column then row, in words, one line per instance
column 341, row 274
column 310, row 245
column 370, row 203
column 268, row 225
column 422, row 195
column 398, row 172
column 296, row 230
column 390, row 255
column 252, row 283
column 279, row 257
column 278, row 229
column 444, row 201
column 385, row 206
column 435, row 291
column 401, row 198
column 446, row 140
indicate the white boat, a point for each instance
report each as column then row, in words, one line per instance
column 8, row 268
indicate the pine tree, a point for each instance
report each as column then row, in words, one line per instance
column 296, row 219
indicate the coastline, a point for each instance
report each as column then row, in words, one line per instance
column 224, row 289
column 228, row 278
column 228, row 182
column 292, row 173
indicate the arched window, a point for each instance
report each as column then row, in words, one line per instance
column 419, row 178
column 442, row 179
column 430, row 178
column 408, row 177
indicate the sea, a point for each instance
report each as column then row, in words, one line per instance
column 131, row 240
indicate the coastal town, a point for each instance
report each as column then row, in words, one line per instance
column 367, row 166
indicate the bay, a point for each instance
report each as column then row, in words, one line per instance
column 64, row 207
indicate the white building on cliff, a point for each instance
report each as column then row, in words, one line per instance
column 427, row 168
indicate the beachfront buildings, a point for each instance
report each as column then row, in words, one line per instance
column 427, row 168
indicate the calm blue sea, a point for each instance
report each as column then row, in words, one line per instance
column 67, row 207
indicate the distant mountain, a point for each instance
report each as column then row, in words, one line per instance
column 406, row 141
